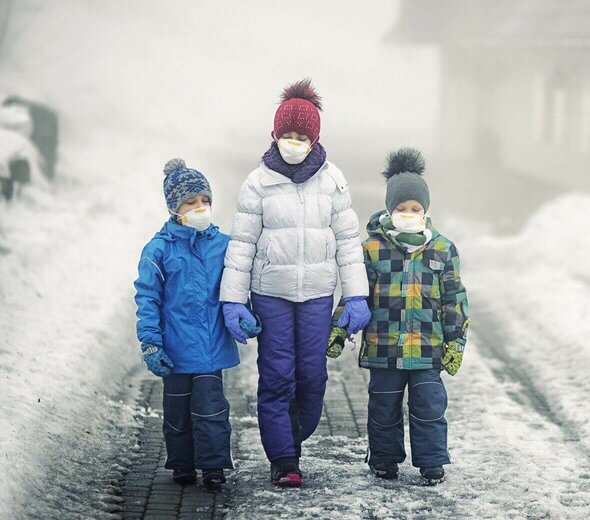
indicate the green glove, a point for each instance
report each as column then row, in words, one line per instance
column 453, row 356
column 336, row 341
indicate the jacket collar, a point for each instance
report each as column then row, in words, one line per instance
column 270, row 177
column 173, row 231
column 374, row 229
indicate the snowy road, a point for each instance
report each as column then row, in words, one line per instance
column 513, row 457
column 145, row 86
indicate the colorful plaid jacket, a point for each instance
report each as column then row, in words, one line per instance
column 417, row 301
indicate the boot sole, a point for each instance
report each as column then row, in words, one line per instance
column 432, row 481
column 387, row 477
column 185, row 480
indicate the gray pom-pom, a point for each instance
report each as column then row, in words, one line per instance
column 174, row 164
column 404, row 160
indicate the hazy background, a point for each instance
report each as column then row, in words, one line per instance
column 462, row 81
column 496, row 93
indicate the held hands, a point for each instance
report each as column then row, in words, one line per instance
column 356, row 315
column 453, row 356
column 157, row 360
column 238, row 320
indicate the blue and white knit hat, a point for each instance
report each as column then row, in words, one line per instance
column 182, row 183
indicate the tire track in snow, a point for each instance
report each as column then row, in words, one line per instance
column 530, row 393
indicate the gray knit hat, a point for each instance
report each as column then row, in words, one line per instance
column 404, row 179
column 182, row 183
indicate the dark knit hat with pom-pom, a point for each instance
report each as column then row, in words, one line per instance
column 182, row 183
column 299, row 111
column 404, row 179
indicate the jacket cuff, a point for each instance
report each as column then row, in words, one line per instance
column 353, row 278
column 235, row 286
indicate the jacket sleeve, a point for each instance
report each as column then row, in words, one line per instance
column 246, row 229
column 454, row 300
column 149, row 288
column 372, row 277
column 349, row 253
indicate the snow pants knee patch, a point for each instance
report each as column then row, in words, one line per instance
column 428, row 426
column 428, row 401
column 210, row 421
column 385, row 423
column 196, row 422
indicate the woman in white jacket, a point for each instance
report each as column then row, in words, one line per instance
column 294, row 234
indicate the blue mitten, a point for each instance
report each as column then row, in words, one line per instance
column 356, row 315
column 157, row 361
column 233, row 313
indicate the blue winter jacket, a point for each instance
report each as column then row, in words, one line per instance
column 177, row 298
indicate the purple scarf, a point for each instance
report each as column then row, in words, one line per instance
column 298, row 173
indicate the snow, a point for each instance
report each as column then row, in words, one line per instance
column 509, row 461
column 535, row 288
column 140, row 89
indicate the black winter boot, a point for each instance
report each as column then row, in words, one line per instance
column 286, row 473
column 385, row 471
column 184, row 477
column 213, row 479
column 434, row 475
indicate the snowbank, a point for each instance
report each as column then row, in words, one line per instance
column 536, row 287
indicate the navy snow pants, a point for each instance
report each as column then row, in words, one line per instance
column 427, row 403
column 292, row 371
column 196, row 422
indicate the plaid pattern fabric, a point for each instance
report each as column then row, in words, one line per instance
column 417, row 300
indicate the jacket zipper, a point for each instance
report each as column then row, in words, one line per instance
column 301, row 243
column 199, row 255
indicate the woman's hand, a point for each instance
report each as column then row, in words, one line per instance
column 356, row 315
column 233, row 313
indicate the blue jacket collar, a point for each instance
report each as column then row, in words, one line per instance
column 171, row 230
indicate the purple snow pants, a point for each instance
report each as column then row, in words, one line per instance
column 292, row 371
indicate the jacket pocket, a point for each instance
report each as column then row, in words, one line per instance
column 431, row 286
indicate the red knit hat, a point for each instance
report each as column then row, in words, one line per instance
column 299, row 111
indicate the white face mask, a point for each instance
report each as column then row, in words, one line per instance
column 199, row 218
column 408, row 222
column 293, row 151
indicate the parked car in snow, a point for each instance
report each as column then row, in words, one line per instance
column 28, row 145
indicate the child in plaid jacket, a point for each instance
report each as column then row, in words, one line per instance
column 418, row 324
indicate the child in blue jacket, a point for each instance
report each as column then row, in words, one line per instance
column 182, row 331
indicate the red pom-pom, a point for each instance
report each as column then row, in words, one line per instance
column 302, row 90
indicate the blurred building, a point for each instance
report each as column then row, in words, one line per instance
column 515, row 82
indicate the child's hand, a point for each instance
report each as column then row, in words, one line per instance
column 336, row 342
column 453, row 356
column 157, row 361
column 251, row 330
column 233, row 313
column 356, row 315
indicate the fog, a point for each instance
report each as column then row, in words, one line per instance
column 201, row 80
column 496, row 95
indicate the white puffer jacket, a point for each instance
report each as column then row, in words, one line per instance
column 292, row 240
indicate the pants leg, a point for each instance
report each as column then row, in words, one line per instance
column 428, row 426
column 385, row 425
column 277, row 409
column 210, row 422
column 312, row 328
column 177, row 421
